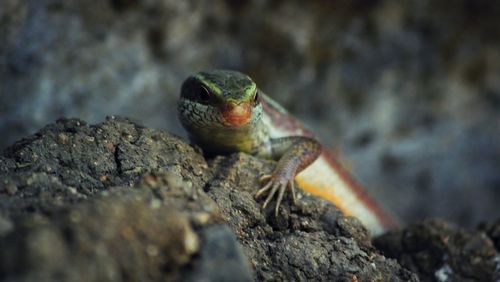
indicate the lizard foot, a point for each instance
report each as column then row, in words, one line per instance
column 276, row 184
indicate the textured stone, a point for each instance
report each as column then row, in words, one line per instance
column 116, row 201
column 439, row 251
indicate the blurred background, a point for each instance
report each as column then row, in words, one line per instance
column 408, row 92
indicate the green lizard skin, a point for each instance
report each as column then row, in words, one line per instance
column 222, row 113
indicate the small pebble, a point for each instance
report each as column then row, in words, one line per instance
column 62, row 138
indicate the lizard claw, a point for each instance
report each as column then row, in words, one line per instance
column 273, row 186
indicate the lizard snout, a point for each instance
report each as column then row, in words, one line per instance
column 237, row 114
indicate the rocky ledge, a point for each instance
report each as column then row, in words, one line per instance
column 117, row 201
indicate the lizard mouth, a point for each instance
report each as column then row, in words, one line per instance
column 237, row 114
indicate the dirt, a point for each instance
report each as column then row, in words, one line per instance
column 117, row 201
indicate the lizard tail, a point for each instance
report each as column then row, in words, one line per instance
column 327, row 179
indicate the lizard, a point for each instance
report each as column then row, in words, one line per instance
column 223, row 112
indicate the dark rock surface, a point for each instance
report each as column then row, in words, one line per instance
column 221, row 257
column 309, row 241
column 119, row 202
column 408, row 90
column 81, row 204
column 439, row 251
column 493, row 231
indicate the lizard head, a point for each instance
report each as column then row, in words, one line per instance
column 219, row 98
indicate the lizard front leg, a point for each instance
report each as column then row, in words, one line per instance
column 294, row 153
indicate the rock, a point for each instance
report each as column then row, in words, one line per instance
column 493, row 231
column 161, row 213
column 221, row 257
column 120, row 235
column 75, row 225
column 439, row 251
column 94, row 158
column 309, row 241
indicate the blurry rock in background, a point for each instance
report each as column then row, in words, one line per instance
column 408, row 91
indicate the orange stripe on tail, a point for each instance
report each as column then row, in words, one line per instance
column 325, row 178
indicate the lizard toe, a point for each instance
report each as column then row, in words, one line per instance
column 270, row 196
column 264, row 189
column 282, row 188
column 265, row 177
column 294, row 195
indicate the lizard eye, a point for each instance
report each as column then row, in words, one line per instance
column 256, row 98
column 203, row 94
